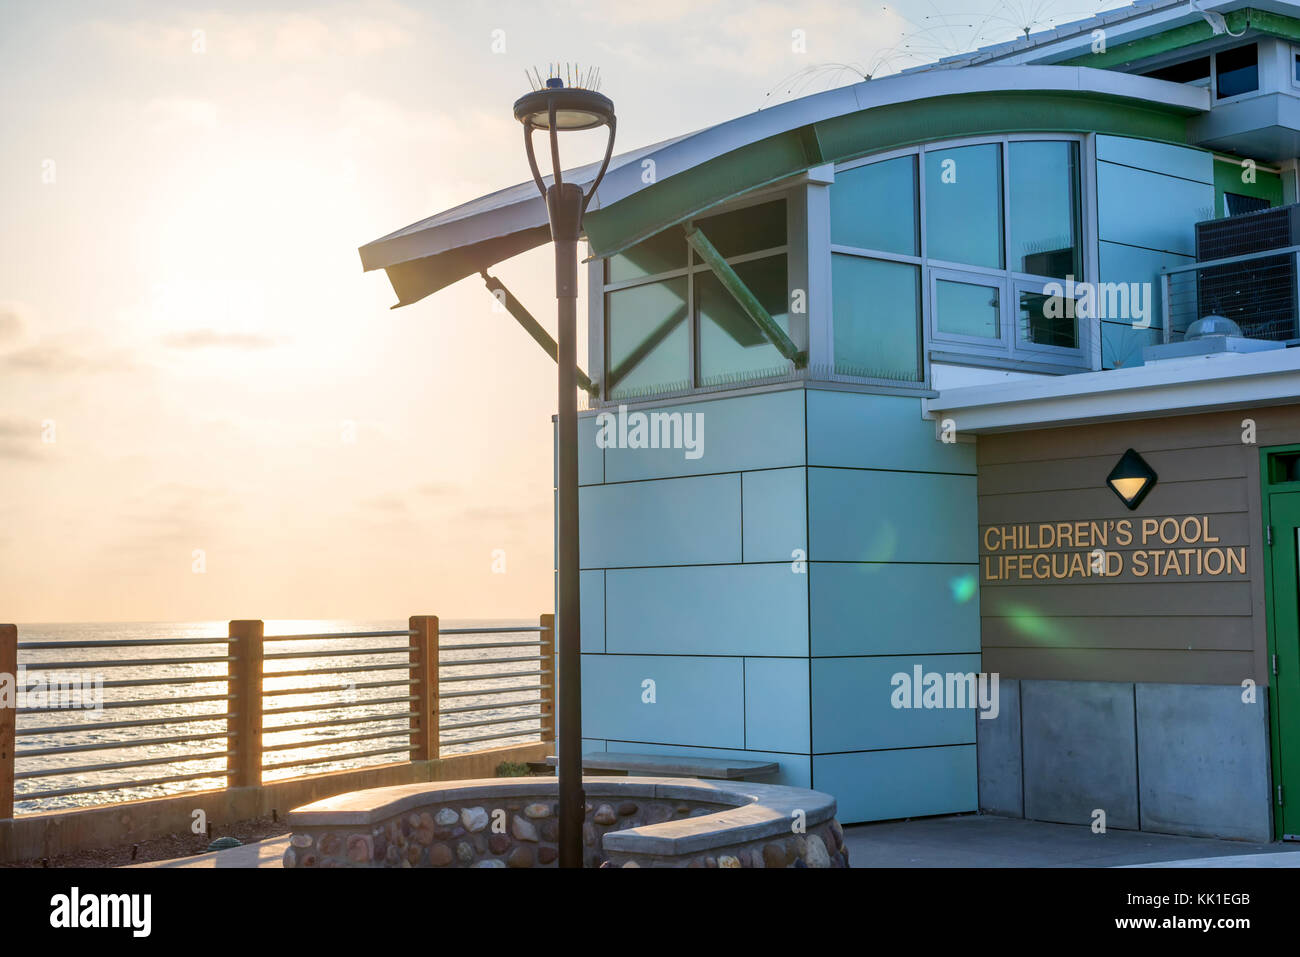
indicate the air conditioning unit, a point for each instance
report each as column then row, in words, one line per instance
column 1259, row 295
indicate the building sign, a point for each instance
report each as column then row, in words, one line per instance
column 1134, row 548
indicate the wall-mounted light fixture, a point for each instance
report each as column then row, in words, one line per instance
column 1131, row 479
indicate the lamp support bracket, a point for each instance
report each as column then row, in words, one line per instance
column 531, row 325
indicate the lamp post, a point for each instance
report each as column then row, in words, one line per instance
column 556, row 108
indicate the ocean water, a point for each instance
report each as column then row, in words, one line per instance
column 341, row 701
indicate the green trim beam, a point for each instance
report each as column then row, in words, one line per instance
column 531, row 325
column 744, row 297
column 1274, row 24
column 676, row 199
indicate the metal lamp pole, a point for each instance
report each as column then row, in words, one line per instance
column 554, row 108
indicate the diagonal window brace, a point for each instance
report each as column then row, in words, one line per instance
column 531, row 325
column 744, row 297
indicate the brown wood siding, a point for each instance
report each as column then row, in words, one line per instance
column 1187, row 628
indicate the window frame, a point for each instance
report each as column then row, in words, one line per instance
column 1259, row 72
column 1009, row 349
column 599, row 287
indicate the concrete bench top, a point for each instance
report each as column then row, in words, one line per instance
column 673, row 765
column 751, row 812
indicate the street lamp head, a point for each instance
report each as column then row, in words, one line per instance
column 573, row 107
column 556, row 106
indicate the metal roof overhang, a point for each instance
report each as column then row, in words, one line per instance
column 1184, row 386
column 696, row 172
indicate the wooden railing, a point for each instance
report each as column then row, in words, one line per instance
column 438, row 689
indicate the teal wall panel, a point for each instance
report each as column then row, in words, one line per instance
column 708, row 610
column 699, row 701
column 1140, row 208
column 865, row 609
column 776, row 704
column 1181, row 161
column 687, row 521
column 852, row 430
column 763, row 430
column 592, row 586
column 1118, row 263
column 856, row 515
column 915, row 782
column 795, row 770
column 852, row 708
column 775, row 511
column 591, row 457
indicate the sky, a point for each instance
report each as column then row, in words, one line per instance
column 207, row 409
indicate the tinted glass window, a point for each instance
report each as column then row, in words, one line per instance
column 963, row 205
column 877, row 318
column 661, row 253
column 731, row 344
column 1237, row 70
column 874, row 207
column 1048, row 321
column 1044, row 188
column 649, row 339
column 967, row 309
column 747, row 230
column 1191, row 71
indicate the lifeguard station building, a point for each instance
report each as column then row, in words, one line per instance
column 982, row 369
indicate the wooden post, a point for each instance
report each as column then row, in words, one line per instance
column 548, row 679
column 244, row 767
column 8, row 716
column 424, row 685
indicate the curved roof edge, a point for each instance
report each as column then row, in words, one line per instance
column 764, row 146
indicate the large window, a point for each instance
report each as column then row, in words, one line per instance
column 1237, row 71
column 671, row 327
column 963, row 205
column 957, row 246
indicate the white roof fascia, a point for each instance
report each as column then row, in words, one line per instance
column 1169, row 387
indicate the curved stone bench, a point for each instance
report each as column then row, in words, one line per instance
column 511, row 822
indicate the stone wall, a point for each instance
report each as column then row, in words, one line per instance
column 630, row 822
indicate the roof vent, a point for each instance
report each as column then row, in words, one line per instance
column 1211, row 326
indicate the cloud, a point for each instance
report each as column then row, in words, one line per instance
column 53, row 359
column 331, row 30
column 211, row 338
column 13, row 324
column 20, row 440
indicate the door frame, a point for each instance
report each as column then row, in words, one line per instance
column 1268, row 488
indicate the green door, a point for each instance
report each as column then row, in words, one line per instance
column 1284, row 641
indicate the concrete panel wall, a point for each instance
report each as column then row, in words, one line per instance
column 997, row 740
column 1203, row 759
column 1080, row 752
